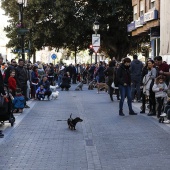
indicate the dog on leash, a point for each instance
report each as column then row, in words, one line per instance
column 72, row 122
column 55, row 95
column 79, row 86
column 102, row 86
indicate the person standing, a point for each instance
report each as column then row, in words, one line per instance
column 109, row 73
column 124, row 81
column 100, row 72
column 2, row 92
column 136, row 67
column 152, row 74
column 34, row 82
column 22, row 78
column 162, row 67
column 12, row 66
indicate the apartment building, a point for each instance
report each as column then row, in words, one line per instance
column 146, row 20
column 165, row 30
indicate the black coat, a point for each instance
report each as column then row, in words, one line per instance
column 123, row 75
column 1, row 84
column 109, row 73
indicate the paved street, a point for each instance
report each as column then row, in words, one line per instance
column 103, row 141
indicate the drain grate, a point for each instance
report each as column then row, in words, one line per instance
column 89, row 142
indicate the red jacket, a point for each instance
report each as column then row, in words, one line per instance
column 12, row 83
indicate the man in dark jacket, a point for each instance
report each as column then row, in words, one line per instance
column 100, row 72
column 136, row 67
column 124, row 81
column 22, row 77
column 2, row 92
column 12, row 66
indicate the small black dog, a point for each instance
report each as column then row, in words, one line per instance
column 72, row 122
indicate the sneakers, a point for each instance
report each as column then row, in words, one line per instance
column 163, row 115
column 167, row 121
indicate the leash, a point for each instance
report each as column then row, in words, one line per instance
column 61, row 120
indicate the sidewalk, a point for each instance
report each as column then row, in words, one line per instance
column 103, row 141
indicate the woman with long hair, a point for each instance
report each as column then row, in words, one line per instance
column 148, row 82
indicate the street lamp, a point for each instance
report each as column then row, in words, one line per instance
column 95, row 29
column 22, row 4
column 95, row 26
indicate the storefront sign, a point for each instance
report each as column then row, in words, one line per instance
column 131, row 26
column 151, row 15
column 138, row 23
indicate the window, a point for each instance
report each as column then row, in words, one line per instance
column 152, row 4
column 141, row 7
column 135, row 17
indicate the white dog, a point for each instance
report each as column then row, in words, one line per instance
column 54, row 95
column 53, row 88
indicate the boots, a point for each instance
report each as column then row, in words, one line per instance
column 121, row 113
column 1, row 134
column 142, row 109
column 111, row 97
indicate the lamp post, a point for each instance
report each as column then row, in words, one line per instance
column 22, row 4
column 95, row 29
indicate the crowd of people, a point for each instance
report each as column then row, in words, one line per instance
column 134, row 80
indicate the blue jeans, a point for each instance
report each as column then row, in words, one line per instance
column 125, row 91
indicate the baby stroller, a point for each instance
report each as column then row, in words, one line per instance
column 166, row 114
column 6, row 113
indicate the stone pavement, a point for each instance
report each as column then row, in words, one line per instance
column 103, row 141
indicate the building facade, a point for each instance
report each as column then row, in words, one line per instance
column 165, row 30
column 146, row 21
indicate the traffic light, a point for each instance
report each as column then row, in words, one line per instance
column 91, row 50
column 91, row 46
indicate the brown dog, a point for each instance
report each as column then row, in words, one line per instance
column 102, row 86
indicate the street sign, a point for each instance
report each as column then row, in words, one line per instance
column 96, row 49
column 22, row 31
column 53, row 56
column 96, row 40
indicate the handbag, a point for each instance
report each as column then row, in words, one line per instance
column 113, row 85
